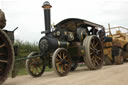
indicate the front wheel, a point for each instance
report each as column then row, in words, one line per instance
column 35, row 66
column 61, row 61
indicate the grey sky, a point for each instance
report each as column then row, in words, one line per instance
column 28, row 14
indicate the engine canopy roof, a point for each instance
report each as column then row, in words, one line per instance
column 73, row 23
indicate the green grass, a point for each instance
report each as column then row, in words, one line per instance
column 22, row 71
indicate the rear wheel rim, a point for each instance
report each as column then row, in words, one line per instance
column 93, row 52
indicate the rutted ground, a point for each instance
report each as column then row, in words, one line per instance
column 108, row 75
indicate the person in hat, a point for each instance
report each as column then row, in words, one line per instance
column 2, row 19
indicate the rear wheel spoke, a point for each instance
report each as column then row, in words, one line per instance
column 96, row 44
column 99, row 58
column 2, row 54
column 3, row 61
column 1, row 46
column 96, row 62
column 92, row 46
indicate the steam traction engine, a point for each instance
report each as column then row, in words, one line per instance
column 72, row 41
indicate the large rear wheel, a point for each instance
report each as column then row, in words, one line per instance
column 93, row 52
column 6, row 56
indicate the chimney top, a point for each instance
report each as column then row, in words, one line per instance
column 46, row 5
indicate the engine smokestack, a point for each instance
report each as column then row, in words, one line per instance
column 47, row 17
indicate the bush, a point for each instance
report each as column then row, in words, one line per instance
column 24, row 48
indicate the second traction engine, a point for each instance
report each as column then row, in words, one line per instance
column 70, row 42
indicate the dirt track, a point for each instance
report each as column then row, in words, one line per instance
column 108, row 75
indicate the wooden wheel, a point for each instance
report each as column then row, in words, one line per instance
column 61, row 61
column 35, row 66
column 119, row 59
column 93, row 52
column 6, row 56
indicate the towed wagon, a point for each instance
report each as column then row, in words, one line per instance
column 116, row 45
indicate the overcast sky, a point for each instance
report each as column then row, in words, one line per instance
column 29, row 17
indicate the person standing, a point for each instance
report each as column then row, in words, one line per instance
column 2, row 19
